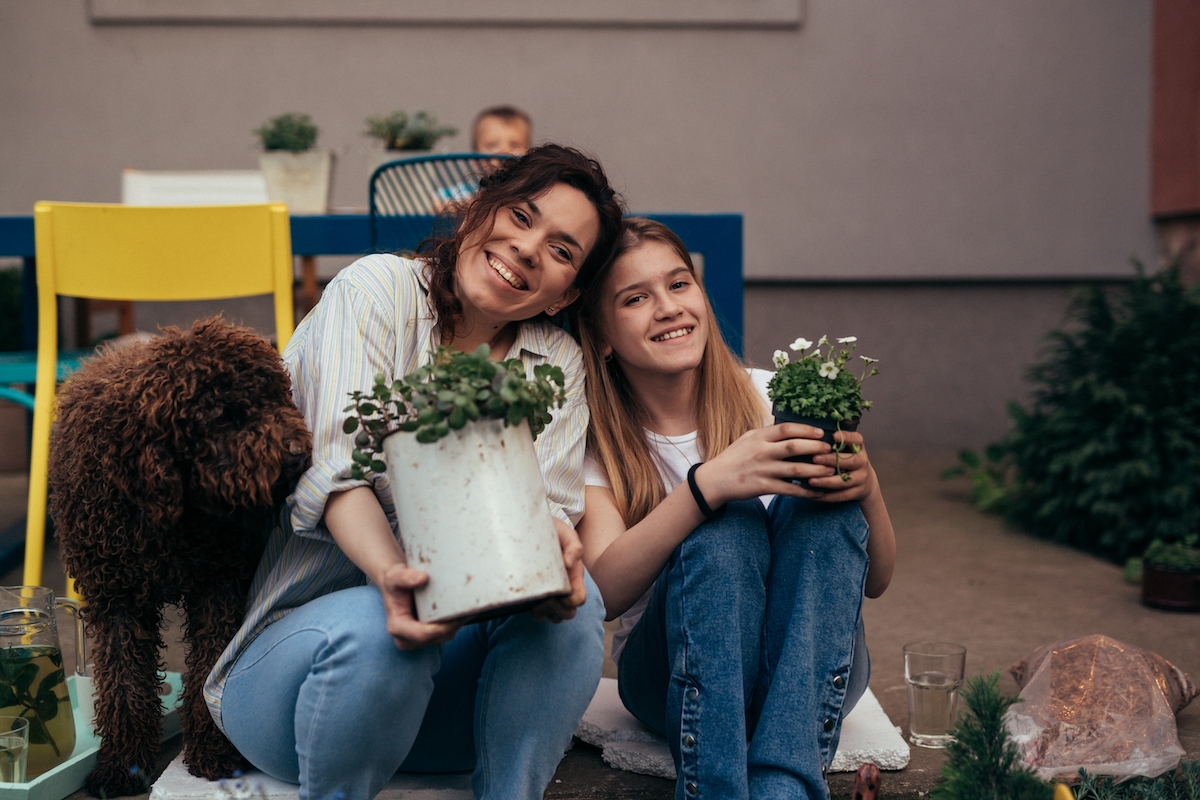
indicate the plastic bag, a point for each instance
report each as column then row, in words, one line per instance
column 1098, row 704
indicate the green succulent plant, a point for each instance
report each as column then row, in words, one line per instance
column 454, row 389
column 399, row 131
column 292, row 132
column 1184, row 555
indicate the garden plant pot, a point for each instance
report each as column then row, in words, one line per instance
column 829, row 426
column 472, row 512
column 1170, row 589
column 299, row 179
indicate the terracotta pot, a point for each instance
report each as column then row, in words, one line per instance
column 472, row 512
column 1170, row 589
column 829, row 426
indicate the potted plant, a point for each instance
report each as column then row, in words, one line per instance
column 403, row 135
column 456, row 439
column 819, row 389
column 1171, row 574
column 295, row 171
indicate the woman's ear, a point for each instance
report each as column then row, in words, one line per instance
column 568, row 297
column 606, row 351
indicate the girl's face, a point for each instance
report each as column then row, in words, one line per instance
column 653, row 316
column 528, row 261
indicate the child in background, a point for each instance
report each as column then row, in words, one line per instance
column 502, row 129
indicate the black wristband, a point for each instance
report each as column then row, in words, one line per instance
column 698, row 496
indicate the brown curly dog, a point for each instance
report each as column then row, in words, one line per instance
column 168, row 463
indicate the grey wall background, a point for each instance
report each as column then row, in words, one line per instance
column 904, row 141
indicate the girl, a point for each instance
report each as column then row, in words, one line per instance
column 332, row 683
column 741, row 638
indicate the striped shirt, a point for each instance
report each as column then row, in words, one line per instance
column 374, row 317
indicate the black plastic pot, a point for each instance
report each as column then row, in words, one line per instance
column 829, row 426
column 1170, row 589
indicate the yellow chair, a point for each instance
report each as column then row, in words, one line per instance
column 118, row 252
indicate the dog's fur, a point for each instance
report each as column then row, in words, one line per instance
column 168, row 462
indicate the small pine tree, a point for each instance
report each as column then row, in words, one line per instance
column 983, row 763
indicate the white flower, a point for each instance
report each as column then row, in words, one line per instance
column 800, row 345
column 847, row 339
column 869, row 360
column 828, row 370
column 781, row 359
column 823, row 341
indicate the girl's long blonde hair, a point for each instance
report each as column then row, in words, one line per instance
column 726, row 404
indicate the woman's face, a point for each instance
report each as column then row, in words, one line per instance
column 528, row 261
column 653, row 316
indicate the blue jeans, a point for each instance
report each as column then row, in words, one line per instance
column 324, row 698
column 751, row 649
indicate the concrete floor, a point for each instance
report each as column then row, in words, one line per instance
column 961, row 576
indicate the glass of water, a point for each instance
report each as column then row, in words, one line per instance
column 14, row 749
column 934, row 674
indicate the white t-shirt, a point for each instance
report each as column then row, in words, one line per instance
column 674, row 456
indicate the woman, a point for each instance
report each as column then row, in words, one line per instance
column 332, row 682
column 741, row 639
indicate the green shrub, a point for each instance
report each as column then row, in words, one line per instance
column 294, row 133
column 1183, row 555
column 1107, row 458
column 1182, row 783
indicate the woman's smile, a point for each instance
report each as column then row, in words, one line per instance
column 504, row 272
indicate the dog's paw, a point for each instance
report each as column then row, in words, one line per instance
column 213, row 766
column 108, row 781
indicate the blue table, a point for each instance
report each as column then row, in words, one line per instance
column 718, row 237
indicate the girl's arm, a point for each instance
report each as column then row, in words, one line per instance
column 625, row 562
column 863, row 486
column 881, row 543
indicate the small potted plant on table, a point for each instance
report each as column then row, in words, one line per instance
column 1171, row 574
column 819, row 389
column 456, row 438
column 403, row 135
column 295, row 171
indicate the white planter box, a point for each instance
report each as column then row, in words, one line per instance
column 299, row 179
column 473, row 514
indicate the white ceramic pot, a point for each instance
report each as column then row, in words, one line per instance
column 299, row 179
column 473, row 514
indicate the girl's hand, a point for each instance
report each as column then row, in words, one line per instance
column 854, row 477
column 754, row 465
column 408, row 632
column 557, row 609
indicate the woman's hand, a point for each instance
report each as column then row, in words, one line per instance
column 754, row 465
column 557, row 609
column 408, row 632
column 853, row 477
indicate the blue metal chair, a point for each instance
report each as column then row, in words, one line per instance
column 20, row 368
column 408, row 195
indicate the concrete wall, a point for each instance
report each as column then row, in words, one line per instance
column 863, row 140
column 950, row 355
